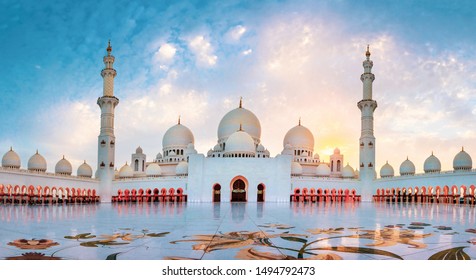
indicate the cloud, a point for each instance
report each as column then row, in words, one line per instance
column 235, row 33
column 165, row 53
column 203, row 51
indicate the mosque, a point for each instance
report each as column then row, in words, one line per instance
column 237, row 168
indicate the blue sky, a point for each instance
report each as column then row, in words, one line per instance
column 288, row 59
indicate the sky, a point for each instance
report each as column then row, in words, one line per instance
column 287, row 59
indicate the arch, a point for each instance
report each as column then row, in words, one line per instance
column 239, row 189
column 136, row 165
column 338, row 165
column 261, row 192
column 216, row 192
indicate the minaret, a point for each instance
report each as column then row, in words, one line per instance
column 367, row 107
column 106, row 139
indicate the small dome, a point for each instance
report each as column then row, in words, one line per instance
column 432, row 164
column 316, row 156
column 37, row 163
column 323, row 170
column 296, row 168
column 407, row 168
column 266, row 153
column 386, row 171
column 356, row 174
column 462, row 161
column 260, row 148
column 172, row 153
column 159, row 156
column 305, row 154
column 240, row 142
column 190, row 150
column 84, row 170
column 116, row 173
column 299, row 137
column 348, row 171
column 126, row 171
column 216, row 148
column 182, row 168
column 139, row 150
column 177, row 136
column 230, row 123
column 210, row 153
column 11, row 160
column 288, row 150
column 63, row 167
column 336, row 151
column 153, row 170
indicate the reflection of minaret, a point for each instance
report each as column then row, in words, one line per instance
column 106, row 139
column 367, row 139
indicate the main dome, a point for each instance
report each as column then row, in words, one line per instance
column 231, row 122
column 177, row 135
column 299, row 137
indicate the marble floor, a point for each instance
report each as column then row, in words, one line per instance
column 211, row 231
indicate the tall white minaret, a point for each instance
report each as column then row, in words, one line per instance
column 367, row 107
column 106, row 140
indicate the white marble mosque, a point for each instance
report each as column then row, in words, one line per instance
column 237, row 168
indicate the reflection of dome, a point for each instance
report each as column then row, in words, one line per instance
column 63, row 167
column 296, row 168
column 126, row 171
column 11, row 159
column 84, row 170
column 348, row 171
column 177, row 135
column 37, row 163
column 182, row 168
column 386, row 171
column 153, row 170
column 407, row 168
column 462, row 161
column 323, row 170
column 230, row 123
column 139, row 150
column 240, row 142
column 432, row 164
column 299, row 137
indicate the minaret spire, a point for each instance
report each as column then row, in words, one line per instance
column 106, row 139
column 367, row 145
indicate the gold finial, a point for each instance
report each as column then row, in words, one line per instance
column 109, row 48
column 11, row 148
column 407, row 157
column 367, row 54
column 179, row 119
column 36, row 151
column 63, row 156
column 431, row 152
column 241, row 128
column 241, row 102
column 84, row 161
column 299, row 121
column 462, row 148
column 387, row 161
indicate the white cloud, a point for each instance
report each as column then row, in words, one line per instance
column 235, row 33
column 165, row 53
column 203, row 51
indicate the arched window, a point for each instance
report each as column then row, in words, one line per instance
column 332, row 166
column 136, row 165
column 338, row 166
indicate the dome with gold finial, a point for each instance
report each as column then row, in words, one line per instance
column 462, row 161
column 11, row 159
column 63, row 167
column 432, row 164
column 126, row 171
column 37, row 163
column 85, row 170
column 230, row 123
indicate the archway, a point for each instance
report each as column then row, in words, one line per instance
column 238, row 191
column 260, row 195
column 216, row 193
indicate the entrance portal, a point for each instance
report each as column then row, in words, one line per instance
column 217, row 193
column 238, row 192
column 260, row 197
